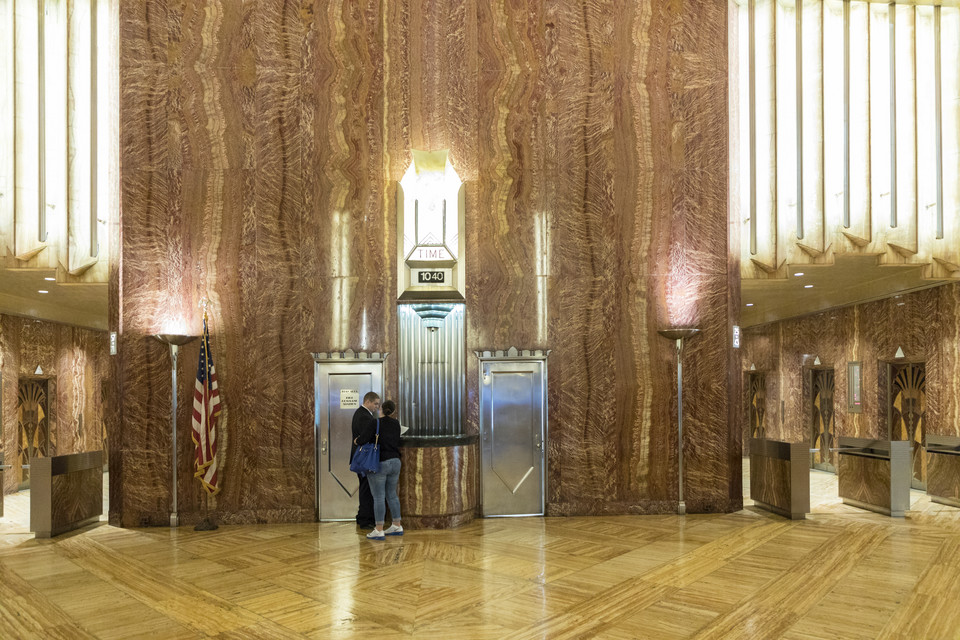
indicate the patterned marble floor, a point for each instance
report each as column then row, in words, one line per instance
column 842, row 573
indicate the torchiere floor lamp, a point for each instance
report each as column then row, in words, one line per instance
column 175, row 342
column 679, row 334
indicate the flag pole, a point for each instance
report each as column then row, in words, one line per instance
column 205, row 524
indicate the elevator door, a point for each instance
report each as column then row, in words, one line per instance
column 512, row 426
column 906, row 412
column 822, row 424
column 338, row 392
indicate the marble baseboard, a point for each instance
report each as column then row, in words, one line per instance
column 446, row 521
column 642, row 507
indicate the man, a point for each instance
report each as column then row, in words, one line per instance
column 369, row 411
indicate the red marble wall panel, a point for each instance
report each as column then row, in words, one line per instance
column 924, row 324
column 75, row 363
column 261, row 145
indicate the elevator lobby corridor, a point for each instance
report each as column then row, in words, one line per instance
column 842, row 573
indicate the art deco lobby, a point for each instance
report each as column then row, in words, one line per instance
column 666, row 293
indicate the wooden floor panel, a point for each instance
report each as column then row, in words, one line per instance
column 841, row 573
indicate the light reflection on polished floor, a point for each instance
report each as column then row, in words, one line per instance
column 843, row 573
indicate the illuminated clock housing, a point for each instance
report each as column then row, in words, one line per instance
column 430, row 217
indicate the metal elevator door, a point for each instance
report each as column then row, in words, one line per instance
column 512, row 427
column 338, row 391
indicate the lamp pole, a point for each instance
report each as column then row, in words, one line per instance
column 175, row 342
column 678, row 335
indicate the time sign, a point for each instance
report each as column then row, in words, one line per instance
column 430, row 277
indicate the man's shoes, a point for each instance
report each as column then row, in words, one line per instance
column 394, row 530
column 375, row 535
column 367, row 525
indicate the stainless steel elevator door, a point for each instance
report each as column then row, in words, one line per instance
column 512, row 404
column 337, row 486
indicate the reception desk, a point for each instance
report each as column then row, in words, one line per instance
column 875, row 474
column 780, row 477
column 66, row 492
column 438, row 481
column 943, row 469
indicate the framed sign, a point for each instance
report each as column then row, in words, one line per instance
column 854, row 388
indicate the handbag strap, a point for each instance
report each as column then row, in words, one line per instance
column 376, row 440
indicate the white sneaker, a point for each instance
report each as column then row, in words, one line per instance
column 394, row 530
column 375, row 535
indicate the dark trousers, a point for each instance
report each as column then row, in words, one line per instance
column 365, row 512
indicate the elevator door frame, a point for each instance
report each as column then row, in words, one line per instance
column 325, row 366
column 916, row 448
column 507, row 362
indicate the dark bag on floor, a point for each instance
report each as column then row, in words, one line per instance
column 366, row 459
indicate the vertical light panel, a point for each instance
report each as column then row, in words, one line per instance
column 811, row 121
column 787, row 124
column 905, row 142
column 927, row 131
column 765, row 154
column 81, row 132
column 745, row 114
column 7, row 125
column 834, row 125
column 881, row 118
column 27, row 137
column 54, row 108
column 107, row 192
column 950, row 116
column 859, row 163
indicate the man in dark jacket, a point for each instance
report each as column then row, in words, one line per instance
column 364, row 415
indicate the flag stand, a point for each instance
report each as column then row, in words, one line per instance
column 206, row 524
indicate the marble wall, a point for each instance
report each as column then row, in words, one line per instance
column 75, row 363
column 261, row 143
column 926, row 324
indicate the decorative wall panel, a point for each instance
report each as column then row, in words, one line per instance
column 261, row 145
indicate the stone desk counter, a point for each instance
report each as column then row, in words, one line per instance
column 780, row 477
column 66, row 492
column 438, row 481
column 875, row 474
column 943, row 469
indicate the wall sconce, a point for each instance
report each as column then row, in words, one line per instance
column 175, row 341
column 678, row 334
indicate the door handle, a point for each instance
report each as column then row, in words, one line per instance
column 323, row 447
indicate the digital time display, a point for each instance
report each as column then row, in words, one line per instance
column 430, row 277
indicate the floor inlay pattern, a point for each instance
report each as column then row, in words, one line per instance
column 842, row 573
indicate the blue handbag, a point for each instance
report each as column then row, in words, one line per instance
column 366, row 459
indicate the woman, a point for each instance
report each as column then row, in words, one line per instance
column 383, row 484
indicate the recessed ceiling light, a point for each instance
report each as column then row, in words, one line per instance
column 42, row 291
column 749, row 304
column 798, row 273
column 50, row 279
column 808, row 286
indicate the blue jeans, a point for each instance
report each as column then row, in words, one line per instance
column 384, row 484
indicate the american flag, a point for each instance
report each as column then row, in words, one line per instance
column 206, row 410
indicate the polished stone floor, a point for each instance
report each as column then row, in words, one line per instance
column 842, row 573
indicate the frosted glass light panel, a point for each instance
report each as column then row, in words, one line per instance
column 430, row 216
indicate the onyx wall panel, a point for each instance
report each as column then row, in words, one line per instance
column 261, row 147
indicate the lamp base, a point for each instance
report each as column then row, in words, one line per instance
column 174, row 520
column 681, row 508
column 206, row 525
